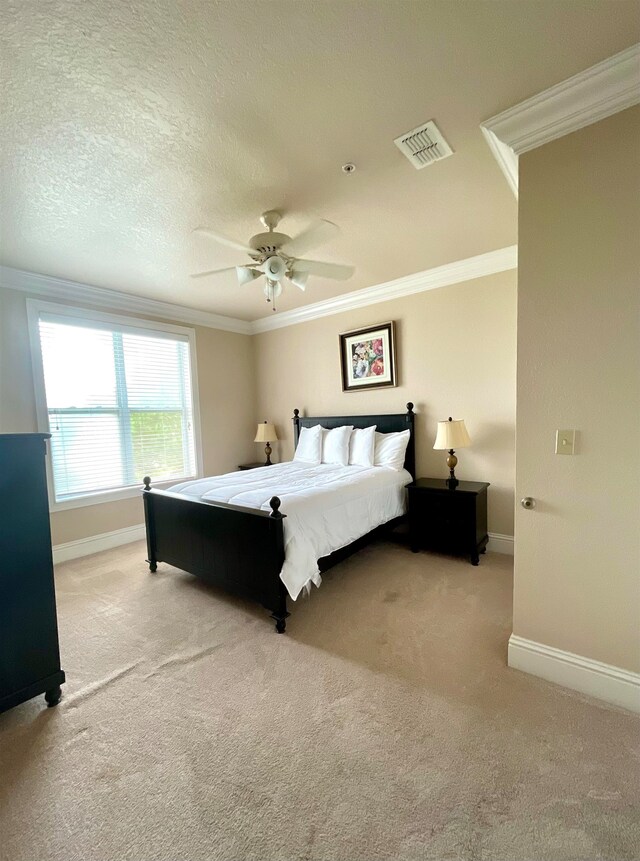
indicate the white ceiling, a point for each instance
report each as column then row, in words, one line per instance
column 126, row 125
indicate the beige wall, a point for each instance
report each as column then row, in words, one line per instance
column 577, row 565
column 227, row 411
column 456, row 356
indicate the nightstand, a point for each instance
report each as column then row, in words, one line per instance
column 452, row 521
column 244, row 466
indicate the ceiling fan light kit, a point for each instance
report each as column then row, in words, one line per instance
column 276, row 256
column 299, row 279
column 245, row 274
column 274, row 268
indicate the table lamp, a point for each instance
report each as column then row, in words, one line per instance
column 266, row 433
column 452, row 434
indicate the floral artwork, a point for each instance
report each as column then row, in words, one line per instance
column 368, row 358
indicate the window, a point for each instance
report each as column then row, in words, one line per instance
column 116, row 395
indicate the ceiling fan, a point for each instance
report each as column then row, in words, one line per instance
column 276, row 256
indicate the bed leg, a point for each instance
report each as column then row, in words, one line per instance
column 150, row 525
column 281, row 625
column 280, row 613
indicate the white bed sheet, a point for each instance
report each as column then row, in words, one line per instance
column 327, row 506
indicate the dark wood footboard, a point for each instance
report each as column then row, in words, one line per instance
column 238, row 549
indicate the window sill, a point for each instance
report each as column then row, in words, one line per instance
column 112, row 495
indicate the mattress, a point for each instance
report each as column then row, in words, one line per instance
column 327, row 506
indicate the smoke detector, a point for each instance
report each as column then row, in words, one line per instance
column 424, row 146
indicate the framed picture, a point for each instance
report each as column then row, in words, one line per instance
column 368, row 358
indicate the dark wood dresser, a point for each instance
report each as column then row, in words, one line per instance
column 29, row 652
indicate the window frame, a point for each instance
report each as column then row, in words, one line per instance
column 88, row 317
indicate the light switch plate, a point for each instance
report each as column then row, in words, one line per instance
column 565, row 441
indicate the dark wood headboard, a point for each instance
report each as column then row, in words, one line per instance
column 385, row 423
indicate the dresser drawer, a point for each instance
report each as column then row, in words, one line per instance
column 444, row 521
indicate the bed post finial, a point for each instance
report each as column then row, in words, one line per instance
column 147, row 482
column 296, row 427
column 410, row 414
column 274, row 502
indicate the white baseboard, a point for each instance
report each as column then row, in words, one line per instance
column 500, row 543
column 96, row 543
column 106, row 540
column 604, row 681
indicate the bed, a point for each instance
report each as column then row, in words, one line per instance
column 230, row 530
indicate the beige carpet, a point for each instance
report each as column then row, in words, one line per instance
column 384, row 725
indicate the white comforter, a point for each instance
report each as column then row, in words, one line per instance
column 327, row 507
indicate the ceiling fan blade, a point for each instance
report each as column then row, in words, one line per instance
column 224, row 240
column 299, row 280
column 318, row 234
column 213, row 272
column 337, row 271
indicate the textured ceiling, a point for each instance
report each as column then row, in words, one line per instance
column 127, row 124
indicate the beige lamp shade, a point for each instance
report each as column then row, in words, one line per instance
column 266, row 433
column 452, row 434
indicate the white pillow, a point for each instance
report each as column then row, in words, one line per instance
column 335, row 445
column 309, row 448
column 362, row 445
column 390, row 449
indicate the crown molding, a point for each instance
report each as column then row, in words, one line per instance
column 114, row 300
column 500, row 260
column 599, row 92
column 505, row 156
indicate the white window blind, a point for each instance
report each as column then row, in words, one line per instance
column 119, row 403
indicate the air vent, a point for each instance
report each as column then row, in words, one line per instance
column 424, row 145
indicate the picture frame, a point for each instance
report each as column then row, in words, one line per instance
column 368, row 358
